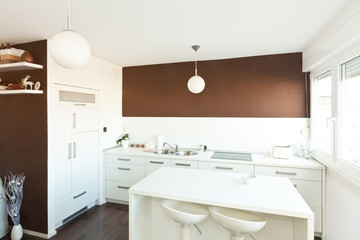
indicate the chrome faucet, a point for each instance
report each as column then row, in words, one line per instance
column 176, row 148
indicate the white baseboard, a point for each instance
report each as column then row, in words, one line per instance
column 41, row 235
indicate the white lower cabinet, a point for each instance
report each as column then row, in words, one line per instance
column 153, row 164
column 122, row 172
column 308, row 182
column 74, row 202
column 227, row 167
column 191, row 164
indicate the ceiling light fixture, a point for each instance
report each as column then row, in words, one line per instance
column 68, row 48
column 196, row 84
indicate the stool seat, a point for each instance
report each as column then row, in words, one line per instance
column 185, row 213
column 238, row 222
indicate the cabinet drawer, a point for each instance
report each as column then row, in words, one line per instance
column 70, row 204
column 226, row 167
column 153, row 164
column 184, row 163
column 125, row 159
column 124, row 172
column 117, row 190
column 293, row 173
column 309, row 190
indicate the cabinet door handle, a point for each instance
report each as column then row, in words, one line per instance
column 80, row 104
column 156, row 162
column 69, row 151
column 286, row 173
column 123, row 159
column 83, row 193
column 295, row 185
column 224, row 168
column 183, row 164
column 126, row 169
column 122, row 187
column 74, row 150
column 74, row 120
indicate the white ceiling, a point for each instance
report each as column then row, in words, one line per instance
column 139, row 32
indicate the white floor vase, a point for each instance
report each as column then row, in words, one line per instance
column 16, row 232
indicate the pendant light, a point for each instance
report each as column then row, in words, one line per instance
column 196, row 84
column 68, row 48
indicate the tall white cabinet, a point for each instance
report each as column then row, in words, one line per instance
column 76, row 151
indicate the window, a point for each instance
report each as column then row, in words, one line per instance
column 322, row 112
column 349, row 109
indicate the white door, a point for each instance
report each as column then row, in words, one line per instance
column 85, row 120
column 85, row 164
column 62, row 151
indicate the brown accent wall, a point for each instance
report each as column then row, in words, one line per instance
column 23, row 139
column 260, row 86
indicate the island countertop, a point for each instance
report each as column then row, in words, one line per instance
column 272, row 195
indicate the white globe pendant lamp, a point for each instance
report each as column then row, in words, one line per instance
column 196, row 84
column 68, row 48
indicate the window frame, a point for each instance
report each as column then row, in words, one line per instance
column 334, row 63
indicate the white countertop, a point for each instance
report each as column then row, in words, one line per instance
column 272, row 195
column 258, row 159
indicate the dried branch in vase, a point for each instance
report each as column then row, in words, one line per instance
column 13, row 185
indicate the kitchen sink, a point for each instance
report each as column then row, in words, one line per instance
column 172, row 152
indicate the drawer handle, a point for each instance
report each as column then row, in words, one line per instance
column 122, row 187
column 286, row 173
column 183, row 164
column 80, row 104
column 125, row 169
column 224, row 168
column 123, row 159
column 156, row 162
column 83, row 193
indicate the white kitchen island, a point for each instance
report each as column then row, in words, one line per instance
column 275, row 198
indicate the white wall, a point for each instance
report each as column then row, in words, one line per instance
column 335, row 37
column 239, row 134
column 343, row 208
column 340, row 40
column 97, row 74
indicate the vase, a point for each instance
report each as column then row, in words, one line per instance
column 125, row 143
column 4, row 226
column 16, row 232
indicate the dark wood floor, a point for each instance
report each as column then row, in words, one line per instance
column 107, row 222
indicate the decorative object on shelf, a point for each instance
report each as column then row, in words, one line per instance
column 27, row 83
column 22, row 85
column 68, row 48
column 15, row 86
column 27, row 57
column 9, row 54
column 196, row 84
column 13, row 185
column 3, row 84
column 37, row 86
column 124, row 140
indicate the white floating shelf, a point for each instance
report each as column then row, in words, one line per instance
column 21, row 91
column 19, row 66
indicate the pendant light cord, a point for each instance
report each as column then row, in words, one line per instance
column 195, row 63
column 196, row 48
column 69, row 16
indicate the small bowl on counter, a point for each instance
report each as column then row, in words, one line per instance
column 248, row 178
